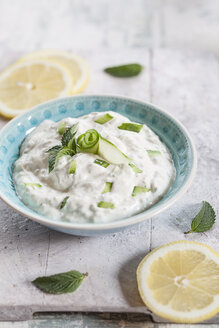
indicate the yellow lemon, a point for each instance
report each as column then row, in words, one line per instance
column 180, row 281
column 76, row 65
column 24, row 85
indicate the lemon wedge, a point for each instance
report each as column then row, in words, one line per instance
column 24, row 85
column 76, row 65
column 180, row 281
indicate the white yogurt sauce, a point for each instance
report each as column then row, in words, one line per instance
column 85, row 186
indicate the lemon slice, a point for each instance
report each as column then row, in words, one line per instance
column 24, row 85
column 180, row 281
column 77, row 66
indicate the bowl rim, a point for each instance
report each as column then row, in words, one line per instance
column 123, row 222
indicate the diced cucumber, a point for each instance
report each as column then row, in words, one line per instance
column 111, row 153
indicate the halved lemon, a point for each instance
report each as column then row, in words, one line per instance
column 76, row 65
column 180, row 281
column 24, row 85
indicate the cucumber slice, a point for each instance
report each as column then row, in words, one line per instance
column 131, row 127
column 153, row 153
column 111, row 153
column 107, row 188
column 135, row 168
column 104, row 119
column 101, row 163
column 72, row 168
column 61, row 128
column 138, row 190
column 106, row 205
column 31, row 184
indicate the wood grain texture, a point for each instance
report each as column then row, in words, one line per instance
column 185, row 83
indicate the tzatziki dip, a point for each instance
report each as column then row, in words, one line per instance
column 96, row 168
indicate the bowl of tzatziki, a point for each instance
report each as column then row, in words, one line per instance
column 94, row 164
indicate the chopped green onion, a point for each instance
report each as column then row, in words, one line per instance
column 61, row 128
column 107, row 188
column 139, row 190
column 131, row 127
column 135, row 168
column 104, row 119
column 153, row 153
column 32, row 184
column 72, row 167
column 88, row 142
column 101, row 162
column 63, row 203
column 106, row 205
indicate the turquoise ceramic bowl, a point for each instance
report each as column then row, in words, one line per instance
column 171, row 132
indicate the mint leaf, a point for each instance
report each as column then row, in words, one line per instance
column 204, row 220
column 63, row 203
column 128, row 70
column 64, row 152
column 61, row 283
column 53, row 152
column 69, row 134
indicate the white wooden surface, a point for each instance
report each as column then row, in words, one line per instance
column 186, row 85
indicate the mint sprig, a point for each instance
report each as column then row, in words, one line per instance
column 53, row 152
column 204, row 220
column 68, row 147
column 69, row 135
column 61, row 283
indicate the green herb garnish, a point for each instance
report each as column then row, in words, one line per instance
column 61, row 283
column 108, row 187
column 106, row 205
column 72, row 168
column 101, row 162
column 61, row 128
column 153, row 153
column 127, row 70
column 131, row 127
column 135, row 168
column 32, row 184
column 104, row 119
column 204, row 220
column 53, row 152
column 138, row 190
column 89, row 142
column 68, row 147
column 69, row 135
column 63, row 203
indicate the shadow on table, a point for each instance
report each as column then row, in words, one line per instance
column 128, row 281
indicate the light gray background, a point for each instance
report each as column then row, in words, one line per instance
column 181, row 74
